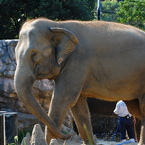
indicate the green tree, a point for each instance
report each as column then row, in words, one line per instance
column 109, row 9
column 132, row 12
column 9, row 18
column 15, row 12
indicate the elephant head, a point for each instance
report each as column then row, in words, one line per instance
column 39, row 54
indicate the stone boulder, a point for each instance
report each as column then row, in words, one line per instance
column 37, row 137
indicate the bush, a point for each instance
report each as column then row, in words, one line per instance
column 132, row 12
column 109, row 9
column 15, row 12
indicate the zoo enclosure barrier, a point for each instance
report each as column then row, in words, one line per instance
column 8, row 127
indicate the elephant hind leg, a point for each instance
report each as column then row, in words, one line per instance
column 142, row 135
column 142, row 109
column 82, row 118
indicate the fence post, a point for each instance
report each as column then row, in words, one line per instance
column 11, row 129
column 2, row 128
column 99, row 9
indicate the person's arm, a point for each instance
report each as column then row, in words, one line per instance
column 116, row 110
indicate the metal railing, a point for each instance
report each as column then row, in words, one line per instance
column 8, row 127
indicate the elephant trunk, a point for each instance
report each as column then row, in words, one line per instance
column 23, row 82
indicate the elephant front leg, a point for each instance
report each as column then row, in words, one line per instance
column 57, row 113
column 48, row 135
column 82, row 119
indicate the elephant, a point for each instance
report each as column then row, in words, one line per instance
column 96, row 59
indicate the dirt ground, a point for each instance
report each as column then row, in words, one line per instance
column 113, row 143
column 100, row 142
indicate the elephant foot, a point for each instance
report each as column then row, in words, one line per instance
column 141, row 143
column 92, row 144
column 89, row 143
column 49, row 136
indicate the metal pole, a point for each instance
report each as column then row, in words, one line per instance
column 10, row 127
column 99, row 10
column 2, row 128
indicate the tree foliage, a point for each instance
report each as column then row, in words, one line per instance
column 109, row 9
column 127, row 11
column 15, row 12
column 132, row 12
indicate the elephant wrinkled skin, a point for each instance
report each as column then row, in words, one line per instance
column 97, row 59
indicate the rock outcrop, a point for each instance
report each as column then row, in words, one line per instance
column 37, row 138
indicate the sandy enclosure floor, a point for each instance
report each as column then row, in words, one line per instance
column 100, row 142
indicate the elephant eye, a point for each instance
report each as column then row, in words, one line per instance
column 36, row 57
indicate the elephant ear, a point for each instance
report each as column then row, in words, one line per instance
column 65, row 42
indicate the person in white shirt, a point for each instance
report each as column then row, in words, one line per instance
column 125, row 121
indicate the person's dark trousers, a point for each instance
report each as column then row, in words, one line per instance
column 126, row 125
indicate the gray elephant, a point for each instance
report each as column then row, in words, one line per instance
column 97, row 59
